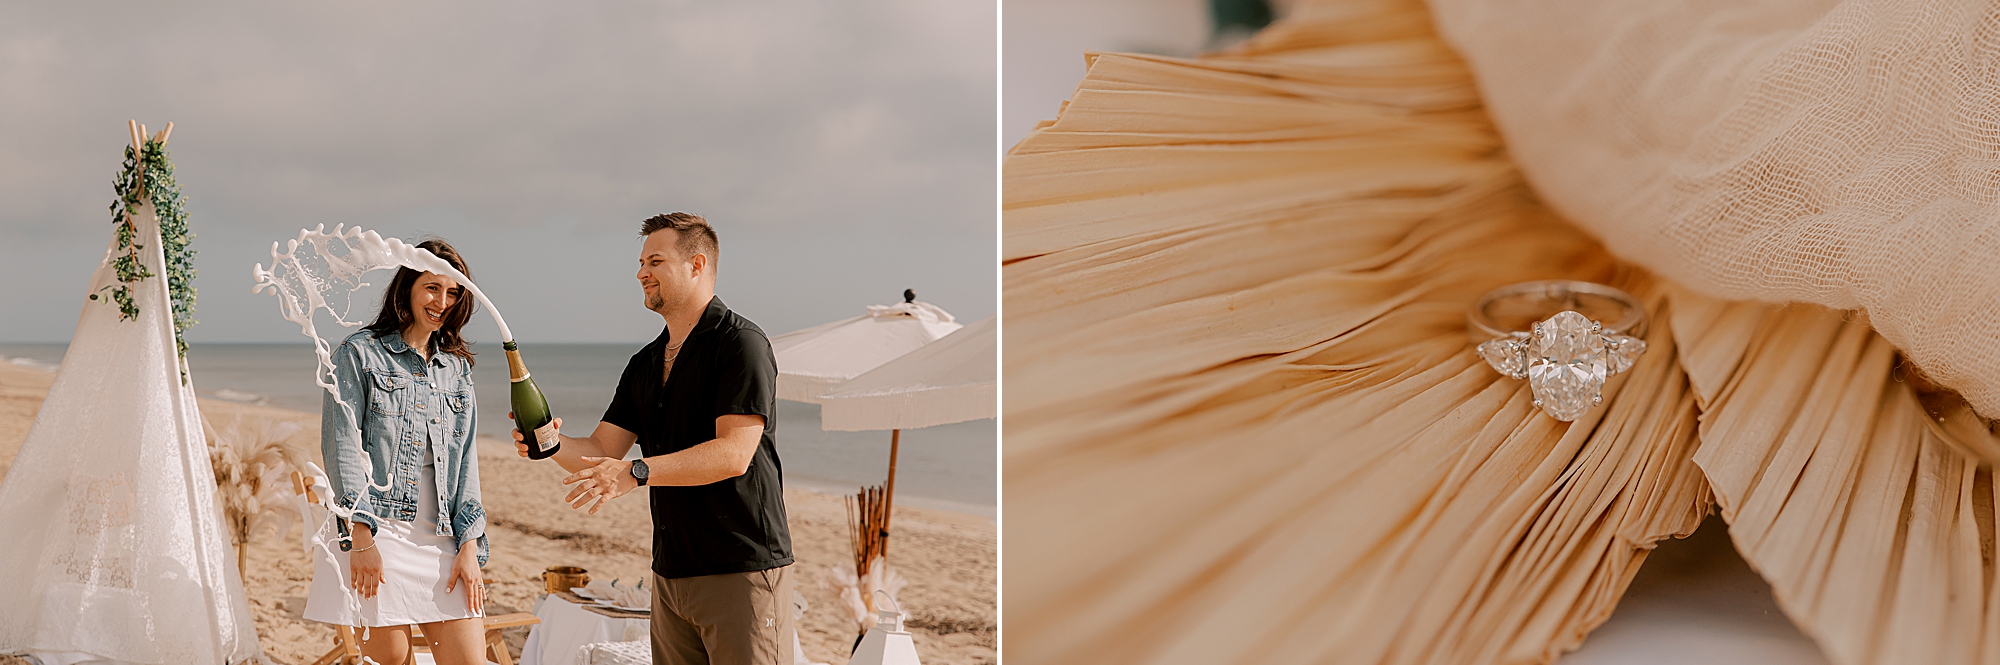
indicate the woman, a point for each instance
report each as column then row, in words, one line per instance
column 407, row 424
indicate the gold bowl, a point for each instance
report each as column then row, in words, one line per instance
column 564, row 578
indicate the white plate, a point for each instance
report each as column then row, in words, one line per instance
column 583, row 592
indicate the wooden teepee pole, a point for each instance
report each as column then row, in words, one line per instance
column 139, row 140
column 139, row 155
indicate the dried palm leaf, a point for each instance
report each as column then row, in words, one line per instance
column 1869, row 511
column 1244, row 423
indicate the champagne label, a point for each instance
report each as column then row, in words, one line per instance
column 545, row 436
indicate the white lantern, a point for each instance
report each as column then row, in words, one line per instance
column 886, row 642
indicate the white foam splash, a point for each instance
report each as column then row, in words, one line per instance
column 322, row 271
column 346, row 254
column 326, row 276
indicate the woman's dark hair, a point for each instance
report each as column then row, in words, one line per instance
column 396, row 315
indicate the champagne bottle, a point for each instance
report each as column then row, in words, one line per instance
column 531, row 409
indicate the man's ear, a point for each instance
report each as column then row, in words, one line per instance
column 698, row 265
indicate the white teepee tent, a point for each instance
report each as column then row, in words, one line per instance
column 116, row 550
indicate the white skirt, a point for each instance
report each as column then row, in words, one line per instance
column 416, row 563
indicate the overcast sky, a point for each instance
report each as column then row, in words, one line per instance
column 1047, row 39
column 844, row 150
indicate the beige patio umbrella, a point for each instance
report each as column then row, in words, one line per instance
column 814, row 360
column 817, row 359
column 948, row 381
column 1244, row 423
column 954, row 379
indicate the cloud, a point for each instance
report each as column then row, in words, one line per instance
column 844, row 150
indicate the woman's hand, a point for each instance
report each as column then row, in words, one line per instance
column 465, row 570
column 364, row 564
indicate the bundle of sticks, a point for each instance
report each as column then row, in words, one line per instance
column 868, row 527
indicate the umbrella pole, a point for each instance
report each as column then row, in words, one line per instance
column 889, row 493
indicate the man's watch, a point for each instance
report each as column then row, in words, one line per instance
column 639, row 471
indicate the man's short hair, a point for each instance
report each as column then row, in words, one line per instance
column 696, row 236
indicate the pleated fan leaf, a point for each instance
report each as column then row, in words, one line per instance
column 1245, row 423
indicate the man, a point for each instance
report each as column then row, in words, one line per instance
column 701, row 403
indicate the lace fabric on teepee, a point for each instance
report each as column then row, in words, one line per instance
column 1843, row 153
column 116, row 547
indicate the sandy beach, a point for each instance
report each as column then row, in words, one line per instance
column 948, row 558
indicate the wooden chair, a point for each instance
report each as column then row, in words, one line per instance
column 347, row 639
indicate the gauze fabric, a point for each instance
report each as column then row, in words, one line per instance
column 1844, row 153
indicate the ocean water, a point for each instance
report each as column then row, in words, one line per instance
column 949, row 466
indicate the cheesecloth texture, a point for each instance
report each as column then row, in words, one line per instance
column 115, row 542
column 1838, row 152
column 1245, row 424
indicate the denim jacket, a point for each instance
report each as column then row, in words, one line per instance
column 403, row 401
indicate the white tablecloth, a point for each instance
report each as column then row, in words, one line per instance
column 566, row 627
column 637, row 652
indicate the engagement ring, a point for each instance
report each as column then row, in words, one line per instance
column 1566, row 356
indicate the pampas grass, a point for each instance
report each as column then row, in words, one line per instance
column 253, row 466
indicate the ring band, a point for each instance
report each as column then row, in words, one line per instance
column 1566, row 356
column 1510, row 309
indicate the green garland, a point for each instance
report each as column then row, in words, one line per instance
column 165, row 194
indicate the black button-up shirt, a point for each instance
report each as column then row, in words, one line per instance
column 725, row 367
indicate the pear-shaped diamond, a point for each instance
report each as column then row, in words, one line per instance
column 1507, row 355
column 1621, row 351
column 1567, row 365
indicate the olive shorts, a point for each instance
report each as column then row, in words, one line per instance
column 733, row 619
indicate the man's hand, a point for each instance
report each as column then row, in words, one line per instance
column 606, row 479
column 521, row 443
